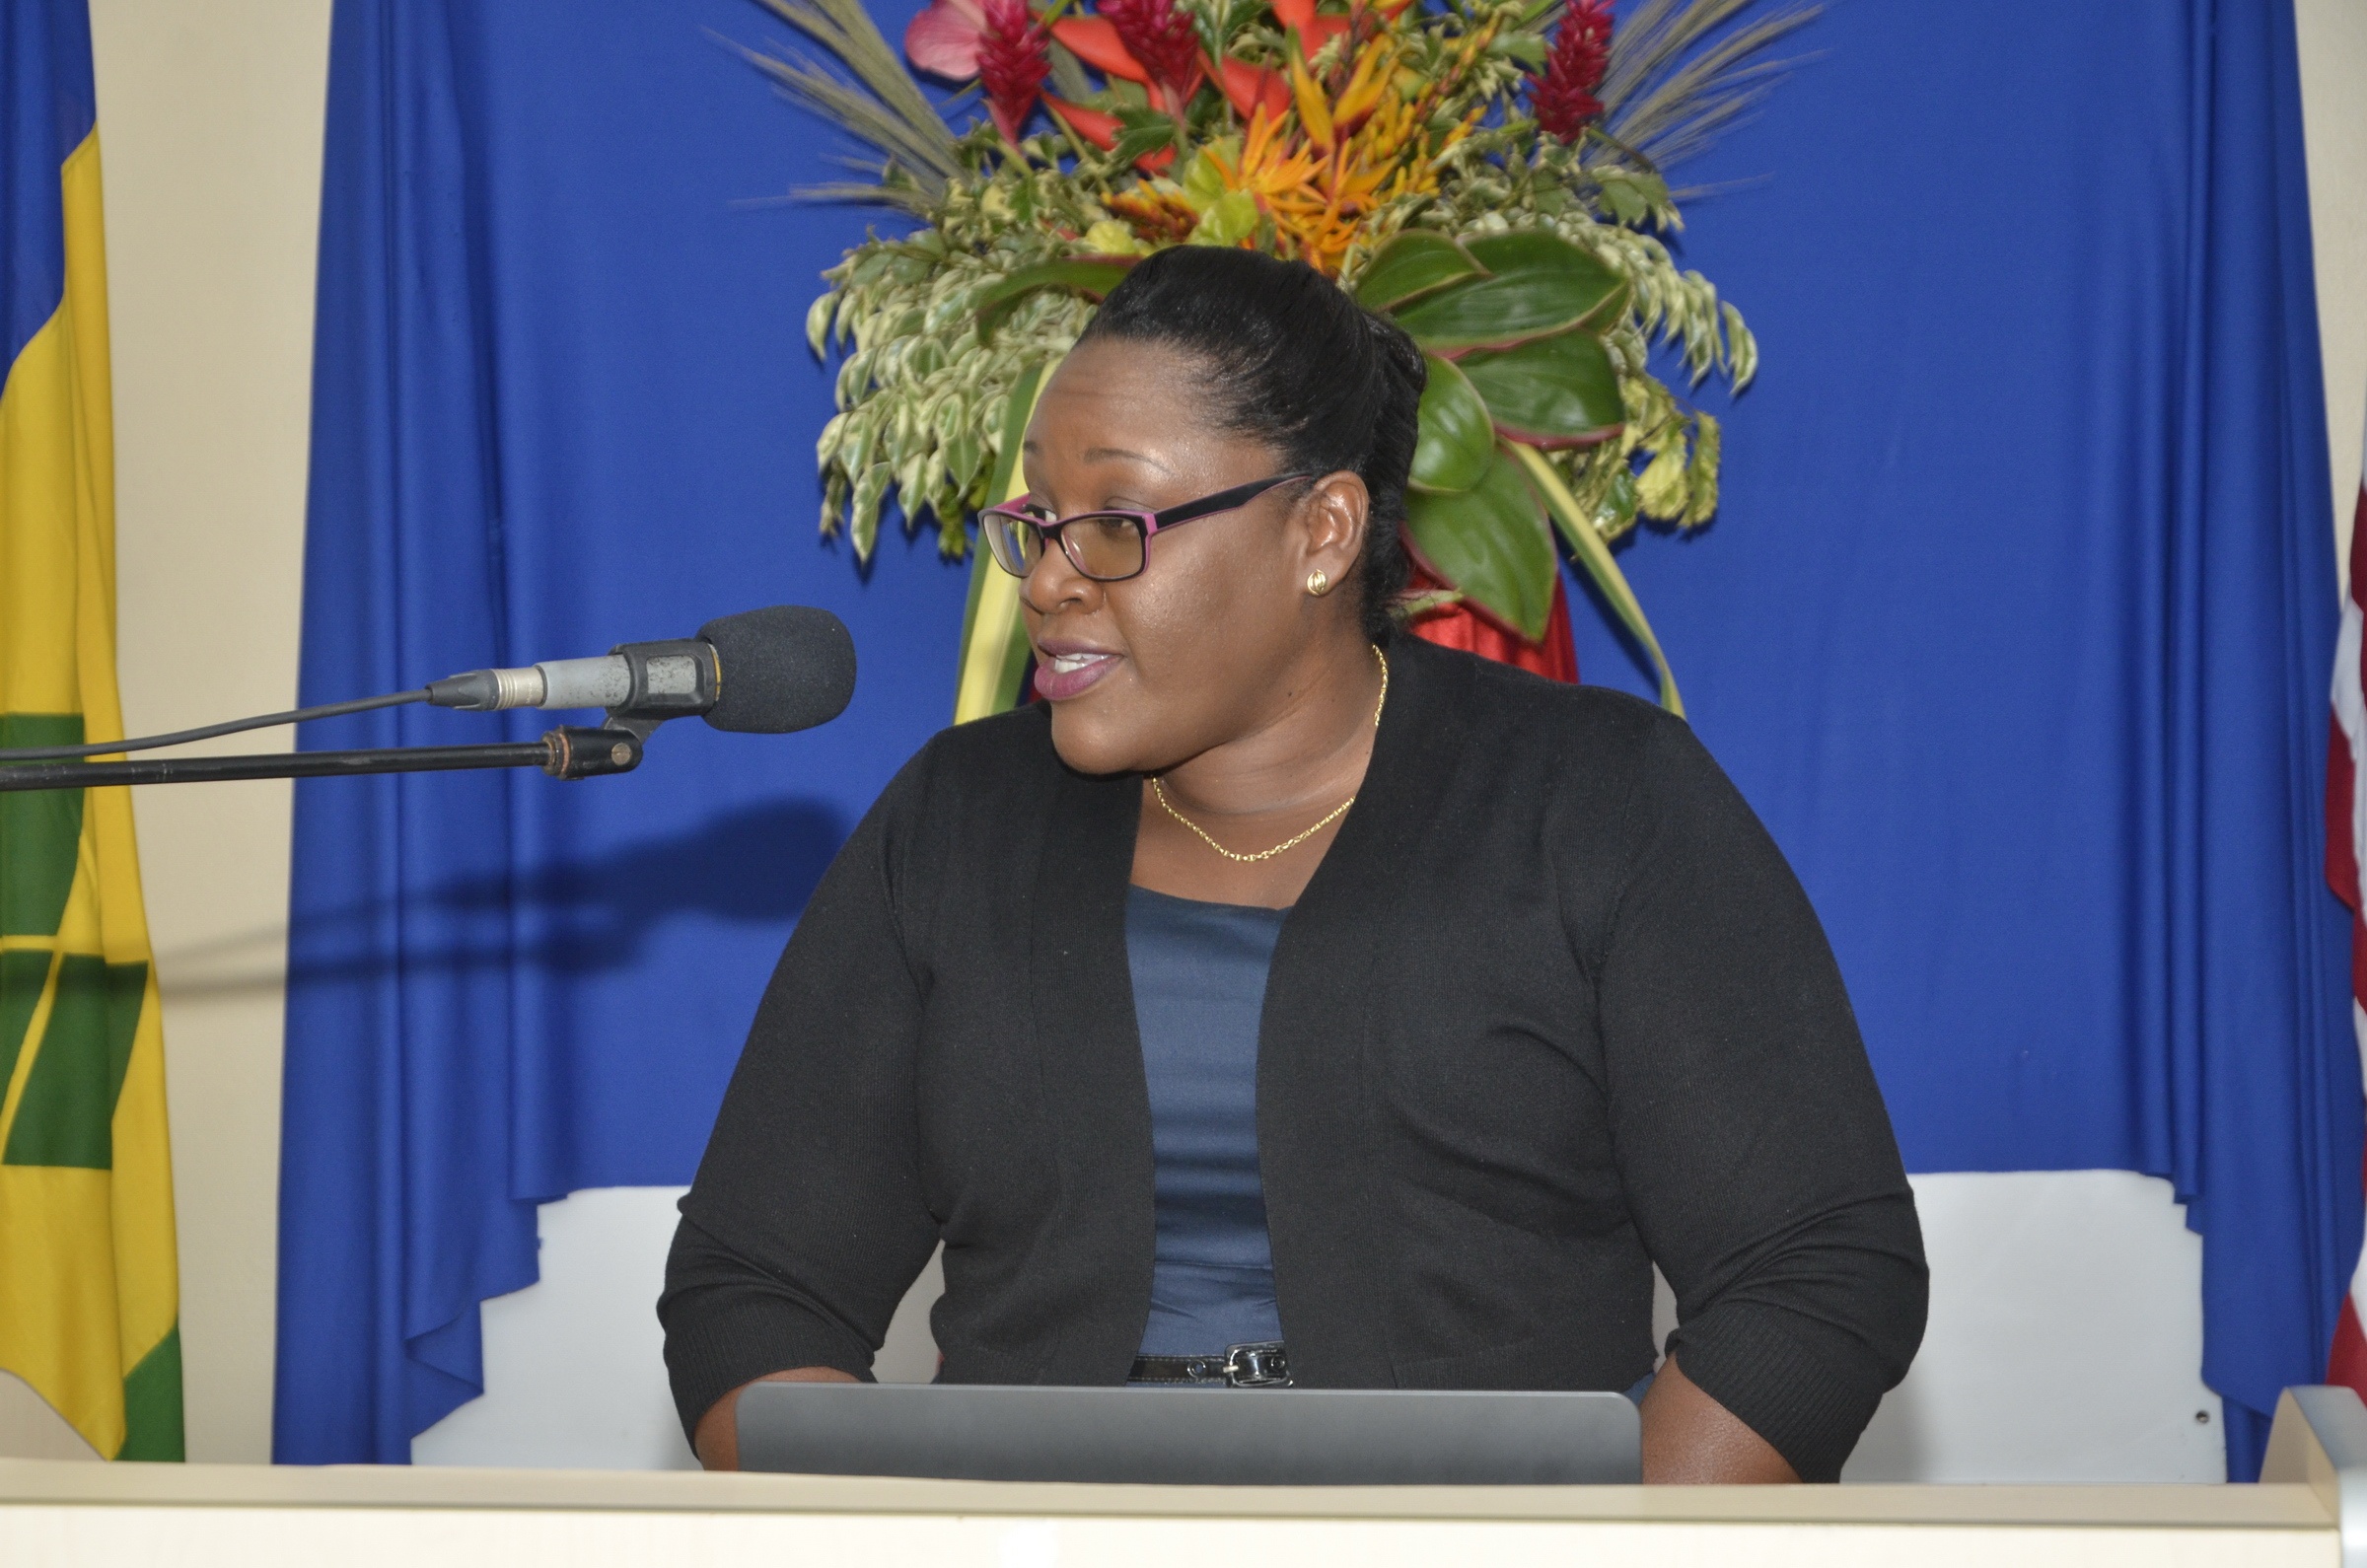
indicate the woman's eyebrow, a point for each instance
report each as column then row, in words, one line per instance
column 1095, row 454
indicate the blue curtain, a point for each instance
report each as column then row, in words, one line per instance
column 2016, row 622
column 562, row 398
column 2016, row 625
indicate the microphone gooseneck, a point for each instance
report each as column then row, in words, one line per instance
column 267, row 721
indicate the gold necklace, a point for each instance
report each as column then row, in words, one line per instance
column 1333, row 816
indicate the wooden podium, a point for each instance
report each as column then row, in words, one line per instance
column 2310, row 1509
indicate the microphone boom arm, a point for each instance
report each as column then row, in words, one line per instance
column 569, row 752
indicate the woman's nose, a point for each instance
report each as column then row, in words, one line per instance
column 1055, row 582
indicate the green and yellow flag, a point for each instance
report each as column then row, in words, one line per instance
column 89, row 1285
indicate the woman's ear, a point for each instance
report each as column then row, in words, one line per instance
column 1334, row 516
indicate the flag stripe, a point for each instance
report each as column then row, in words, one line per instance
column 24, row 976
column 68, row 1111
column 2345, row 834
column 89, row 1279
column 40, row 830
column 151, row 1419
column 45, row 91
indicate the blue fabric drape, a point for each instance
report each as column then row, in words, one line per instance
column 2017, row 620
column 2015, row 625
column 562, row 400
column 396, row 1211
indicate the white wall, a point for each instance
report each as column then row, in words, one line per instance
column 210, row 119
column 2333, row 107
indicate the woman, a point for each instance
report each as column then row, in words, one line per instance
column 1285, row 994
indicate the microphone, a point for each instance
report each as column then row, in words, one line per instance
column 763, row 671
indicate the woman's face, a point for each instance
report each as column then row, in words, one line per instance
column 1213, row 640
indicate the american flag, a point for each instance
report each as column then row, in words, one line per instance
column 2345, row 839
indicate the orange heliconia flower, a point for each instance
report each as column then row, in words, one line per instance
column 1323, row 166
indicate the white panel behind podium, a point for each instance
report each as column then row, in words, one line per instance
column 575, row 1375
column 2066, row 1334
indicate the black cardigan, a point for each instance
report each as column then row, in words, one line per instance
column 1552, row 1009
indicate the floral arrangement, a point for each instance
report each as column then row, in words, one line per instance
column 1488, row 172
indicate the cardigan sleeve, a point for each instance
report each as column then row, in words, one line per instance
column 807, row 1222
column 1752, row 1141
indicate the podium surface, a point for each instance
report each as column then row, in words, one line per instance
column 56, row 1513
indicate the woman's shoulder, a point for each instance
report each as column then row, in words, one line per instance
column 1516, row 712
column 991, row 765
column 1017, row 740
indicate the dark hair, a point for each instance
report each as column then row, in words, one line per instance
column 1295, row 362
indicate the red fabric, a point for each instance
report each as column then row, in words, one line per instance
column 2343, row 859
column 2341, row 785
column 1467, row 627
column 2347, row 1366
column 2346, row 1362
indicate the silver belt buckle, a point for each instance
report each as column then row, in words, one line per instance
column 1258, row 1366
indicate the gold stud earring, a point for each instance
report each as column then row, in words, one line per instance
column 1318, row 582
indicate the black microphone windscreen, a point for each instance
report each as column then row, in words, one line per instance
column 788, row 668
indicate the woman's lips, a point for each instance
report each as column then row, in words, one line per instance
column 1059, row 676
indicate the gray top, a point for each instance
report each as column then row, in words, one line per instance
column 1199, row 990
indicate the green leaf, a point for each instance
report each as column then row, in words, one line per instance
column 1142, row 139
column 1529, row 48
column 1595, row 557
column 1091, row 276
column 1619, row 500
column 1411, row 264
column 1490, row 541
column 1541, row 283
column 1204, row 178
column 1626, row 202
column 1227, row 221
column 1550, row 392
column 1457, row 440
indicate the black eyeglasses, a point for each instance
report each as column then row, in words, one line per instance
column 1107, row 546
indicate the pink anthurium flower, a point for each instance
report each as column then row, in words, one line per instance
column 943, row 40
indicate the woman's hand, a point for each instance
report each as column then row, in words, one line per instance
column 1690, row 1437
column 717, row 1443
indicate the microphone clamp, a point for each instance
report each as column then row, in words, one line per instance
column 578, row 752
column 641, row 684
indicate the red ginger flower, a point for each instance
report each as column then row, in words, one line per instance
column 1163, row 40
column 1012, row 63
column 1564, row 97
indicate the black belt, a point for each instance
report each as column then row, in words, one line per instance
column 1258, row 1366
